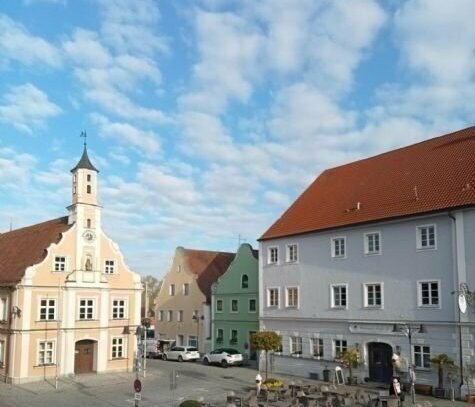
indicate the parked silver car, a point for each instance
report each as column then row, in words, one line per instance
column 223, row 356
column 181, row 353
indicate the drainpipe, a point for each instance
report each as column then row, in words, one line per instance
column 455, row 267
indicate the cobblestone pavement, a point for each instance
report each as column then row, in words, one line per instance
column 194, row 382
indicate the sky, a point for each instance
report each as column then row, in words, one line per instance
column 208, row 118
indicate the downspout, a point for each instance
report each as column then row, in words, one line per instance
column 455, row 267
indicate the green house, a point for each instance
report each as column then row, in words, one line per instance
column 235, row 302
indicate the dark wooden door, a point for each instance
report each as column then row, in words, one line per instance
column 380, row 362
column 84, row 357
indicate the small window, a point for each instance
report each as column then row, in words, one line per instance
column 339, row 247
column 109, row 267
column 272, row 255
column 219, row 305
column 192, row 341
column 3, row 309
column 170, row 316
column 186, row 289
column 160, row 315
column 252, row 305
column 292, row 297
column 316, row 346
column 88, row 223
column 47, row 309
column 171, row 290
column 86, row 309
column 117, row 348
column 429, row 293
column 88, row 189
column 372, row 243
column 60, row 263
column 339, row 296
column 426, row 237
column 180, row 316
column 244, row 281
column 421, row 356
column 273, row 297
column 88, row 177
column 118, row 309
column 219, row 335
column 234, row 336
column 45, row 353
column 373, row 295
column 295, row 345
column 291, row 255
column 340, row 347
column 234, row 306
column 2, row 353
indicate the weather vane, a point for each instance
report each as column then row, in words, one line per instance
column 83, row 134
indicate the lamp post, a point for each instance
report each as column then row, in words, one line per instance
column 409, row 330
column 197, row 319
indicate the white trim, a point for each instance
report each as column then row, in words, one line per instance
column 366, row 243
column 332, row 296
column 268, row 297
column 287, row 253
column 216, row 306
column 316, row 337
column 231, row 305
column 419, row 294
column 123, row 345
column 171, row 292
column 126, row 308
column 419, row 246
column 333, row 247
column 218, row 337
column 269, row 249
column 231, row 336
column 422, row 354
column 108, row 266
column 341, row 339
column 249, row 305
column 94, row 308
column 185, row 293
column 287, row 288
column 53, row 356
column 4, row 308
column 365, row 295
column 56, row 302
column 66, row 265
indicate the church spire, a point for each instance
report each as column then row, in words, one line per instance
column 84, row 162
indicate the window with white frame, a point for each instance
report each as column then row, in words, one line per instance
column 109, row 266
column 47, row 309
column 186, row 289
column 45, row 353
column 295, row 345
column 316, row 347
column 219, row 335
column 339, row 296
column 60, row 263
column 292, row 297
column 219, row 305
column 118, row 348
column 118, row 309
column 171, row 290
column 244, row 281
column 252, row 305
column 291, row 255
column 372, row 243
column 234, row 306
column 160, row 315
column 429, row 293
column 180, row 316
column 272, row 297
column 426, row 237
column 339, row 247
column 3, row 309
column 340, row 345
column 234, row 336
column 421, row 355
column 86, row 309
column 272, row 255
column 2, row 353
column 373, row 295
column 170, row 316
column 192, row 341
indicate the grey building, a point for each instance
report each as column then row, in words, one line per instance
column 374, row 256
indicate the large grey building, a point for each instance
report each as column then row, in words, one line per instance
column 369, row 254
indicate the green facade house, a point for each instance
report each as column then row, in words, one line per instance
column 235, row 302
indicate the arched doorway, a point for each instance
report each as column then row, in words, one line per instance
column 380, row 362
column 84, row 356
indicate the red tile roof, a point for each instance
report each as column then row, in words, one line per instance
column 434, row 175
column 208, row 266
column 27, row 246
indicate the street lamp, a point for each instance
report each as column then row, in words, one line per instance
column 197, row 319
column 409, row 330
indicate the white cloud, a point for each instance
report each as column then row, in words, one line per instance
column 85, row 49
column 17, row 44
column 26, row 107
column 15, row 169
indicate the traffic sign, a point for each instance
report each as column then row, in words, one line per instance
column 137, row 386
column 138, row 396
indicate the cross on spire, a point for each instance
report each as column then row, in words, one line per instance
column 84, row 134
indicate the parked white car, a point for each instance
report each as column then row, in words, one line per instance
column 224, row 357
column 181, row 353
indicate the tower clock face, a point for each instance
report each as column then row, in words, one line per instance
column 89, row 236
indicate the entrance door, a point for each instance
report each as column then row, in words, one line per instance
column 380, row 362
column 84, row 357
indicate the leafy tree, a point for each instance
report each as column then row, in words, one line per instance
column 442, row 362
column 153, row 287
column 267, row 341
column 350, row 358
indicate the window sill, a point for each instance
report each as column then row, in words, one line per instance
column 46, row 365
column 424, row 249
column 87, row 320
column 338, row 308
column 121, row 358
column 429, row 306
column 373, row 254
column 290, row 262
column 373, row 307
column 47, row 320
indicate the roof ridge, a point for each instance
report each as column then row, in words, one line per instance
column 206, row 251
column 25, row 228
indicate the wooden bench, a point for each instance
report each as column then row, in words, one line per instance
column 424, row 389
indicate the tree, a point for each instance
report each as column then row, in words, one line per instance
column 153, row 287
column 267, row 341
column 350, row 358
column 442, row 362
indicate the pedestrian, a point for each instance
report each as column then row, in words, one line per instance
column 258, row 383
column 395, row 389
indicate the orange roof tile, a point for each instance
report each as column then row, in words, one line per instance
column 434, row 175
column 27, row 246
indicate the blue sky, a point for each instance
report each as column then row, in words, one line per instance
column 208, row 118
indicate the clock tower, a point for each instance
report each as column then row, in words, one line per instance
column 85, row 213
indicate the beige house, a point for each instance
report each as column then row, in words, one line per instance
column 68, row 302
column 183, row 303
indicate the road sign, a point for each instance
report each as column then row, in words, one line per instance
column 138, row 396
column 137, row 386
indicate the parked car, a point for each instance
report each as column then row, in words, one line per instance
column 181, row 353
column 224, row 357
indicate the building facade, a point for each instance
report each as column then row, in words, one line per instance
column 373, row 256
column 235, row 313
column 68, row 301
column 183, row 303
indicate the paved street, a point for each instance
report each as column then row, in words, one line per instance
column 194, row 381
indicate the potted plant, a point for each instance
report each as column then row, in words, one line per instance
column 443, row 363
column 350, row 359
